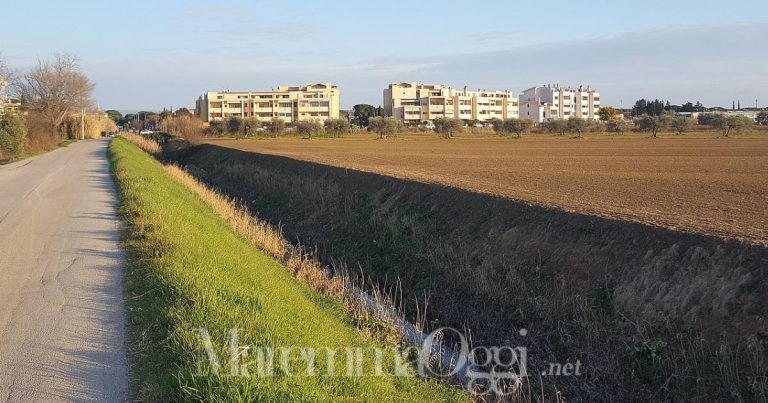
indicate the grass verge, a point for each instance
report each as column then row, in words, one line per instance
column 187, row 269
column 29, row 154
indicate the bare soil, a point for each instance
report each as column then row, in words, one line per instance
column 698, row 183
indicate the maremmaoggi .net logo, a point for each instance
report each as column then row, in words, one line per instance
column 443, row 353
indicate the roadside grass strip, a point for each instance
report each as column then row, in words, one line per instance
column 190, row 275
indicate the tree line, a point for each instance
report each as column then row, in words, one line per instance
column 55, row 99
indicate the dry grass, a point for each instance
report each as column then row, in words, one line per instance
column 150, row 146
column 624, row 298
column 337, row 282
column 698, row 182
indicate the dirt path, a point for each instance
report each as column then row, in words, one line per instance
column 61, row 304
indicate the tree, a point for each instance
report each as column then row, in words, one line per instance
column 652, row 124
column 309, row 127
column 762, row 118
column 361, row 113
column 578, row 125
column 651, row 108
column 336, row 126
column 216, row 128
column 275, row 126
column 249, row 126
column 5, row 80
column 513, row 125
column 385, row 126
column 114, row 115
column 189, row 128
column 556, row 126
column 606, row 114
column 617, row 126
column 680, row 124
column 234, row 124
column 731, row 123
column 152, row 120
column 54, row 89
column 183, row 112
column 13, row 135
column 448, row 126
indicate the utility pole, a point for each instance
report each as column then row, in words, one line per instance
column 82, row 124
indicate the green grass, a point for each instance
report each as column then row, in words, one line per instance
column 187, row 269
column 29, row 154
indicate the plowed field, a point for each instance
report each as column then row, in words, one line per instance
column 703, row 184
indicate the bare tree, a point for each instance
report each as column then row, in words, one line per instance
column 54, row 89
column 187, row 127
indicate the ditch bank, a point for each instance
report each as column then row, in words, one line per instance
column 645, row 309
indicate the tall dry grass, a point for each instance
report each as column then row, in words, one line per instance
column 148, row 145
column 337, row 282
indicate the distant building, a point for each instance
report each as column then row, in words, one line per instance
column 415, row 103
column 752, row 114
column 11, row 106
column 546, row 102
column 291, row 104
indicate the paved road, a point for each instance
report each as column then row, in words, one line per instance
column 62, row 323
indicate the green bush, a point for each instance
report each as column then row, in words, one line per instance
column 13, row 135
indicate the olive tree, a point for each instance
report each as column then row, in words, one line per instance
column 336, row 126
column 618, row 126
column 448, row 126
column 556, row 126
column 309, row 127
column 384, row 126
column 731, row 123
column 250, row 126
column 680, row 124
column 275, row 126
column 652, row 124
column 513, row 126
column 578, row 125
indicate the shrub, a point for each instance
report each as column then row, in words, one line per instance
column 13, row 135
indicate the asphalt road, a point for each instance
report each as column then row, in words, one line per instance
column 62, row 326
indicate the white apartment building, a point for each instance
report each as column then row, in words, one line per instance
column 291, row 104
column 415, row 103
column 545, row 102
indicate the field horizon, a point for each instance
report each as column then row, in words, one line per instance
column 699, row 183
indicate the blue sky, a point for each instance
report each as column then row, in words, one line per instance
column 150, row 54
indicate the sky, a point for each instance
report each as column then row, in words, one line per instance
column 146, row 55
